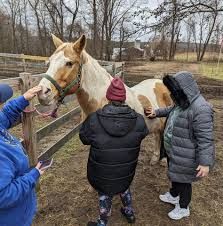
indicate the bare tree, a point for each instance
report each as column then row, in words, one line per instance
column 114, row 11
column 36, row 6
column 59, row 11
column 95, row 6
column 125, row 32
column 202, row 32
column 12, row 7
column 5, row 30
column 171, row 13
column 73, row 13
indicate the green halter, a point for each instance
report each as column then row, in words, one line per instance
column 64, row 91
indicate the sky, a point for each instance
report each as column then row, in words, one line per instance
column 151, row 4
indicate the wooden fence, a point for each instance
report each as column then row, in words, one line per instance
column 32, row 136
column 25, row 61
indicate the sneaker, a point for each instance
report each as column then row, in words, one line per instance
column 178, row 213
column 129, row 217
column 168, row 198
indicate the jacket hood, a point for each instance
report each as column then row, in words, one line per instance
column 188, row 84
column 117, row 120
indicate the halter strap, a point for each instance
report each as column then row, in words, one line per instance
column 63, row 91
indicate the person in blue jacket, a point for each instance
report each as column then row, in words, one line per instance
column 17, row 179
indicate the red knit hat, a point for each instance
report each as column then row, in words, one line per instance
column 116, row 91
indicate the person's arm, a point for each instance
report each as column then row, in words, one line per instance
column 160, row 112
column 14, row 189
column 85, row 133
column 12, row 110
column 203, row 133
column 163, row 112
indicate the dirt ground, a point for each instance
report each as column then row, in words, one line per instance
column 66, row 199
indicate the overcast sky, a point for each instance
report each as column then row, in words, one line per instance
column 151, row 4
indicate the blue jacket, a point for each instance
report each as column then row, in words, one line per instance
column 17, row 180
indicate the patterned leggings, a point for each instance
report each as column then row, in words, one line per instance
column 105, row 205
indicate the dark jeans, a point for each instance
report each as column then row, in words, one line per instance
column 184, row 190
column 105, row 205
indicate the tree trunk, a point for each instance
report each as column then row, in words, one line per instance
column 27, row 34
column 171, row 51
column 102, row 42
column 208, row 38
column 95, row 32
column 175, row 45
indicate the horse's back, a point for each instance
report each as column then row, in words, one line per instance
column 152, row 93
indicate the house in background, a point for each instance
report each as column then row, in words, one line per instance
column 131, row 51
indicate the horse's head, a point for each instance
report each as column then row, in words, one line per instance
column 64, row 72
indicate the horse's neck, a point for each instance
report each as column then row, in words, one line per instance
column 95, row 81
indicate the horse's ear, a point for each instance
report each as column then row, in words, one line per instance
column 80, row 44
column 57, row 42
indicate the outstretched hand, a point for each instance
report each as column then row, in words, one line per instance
column 150, row 113
column 38, row 167
column 31, row 93
column 202, row 171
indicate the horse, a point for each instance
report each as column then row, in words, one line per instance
column 72, row 70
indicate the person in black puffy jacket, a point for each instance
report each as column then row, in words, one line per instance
column 115, row 133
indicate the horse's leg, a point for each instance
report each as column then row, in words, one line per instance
column 158, row 133
column 83, row 116
column 155, row 157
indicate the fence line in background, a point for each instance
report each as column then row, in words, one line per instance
column 111, row 66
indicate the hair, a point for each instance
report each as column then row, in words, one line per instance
column 117, row 103
column 177, row 93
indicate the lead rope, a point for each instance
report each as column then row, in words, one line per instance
column 44, row 115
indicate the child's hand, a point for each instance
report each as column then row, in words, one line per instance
column 202, row 171
column 38, row 167
column 31, row 93
column 150, row 113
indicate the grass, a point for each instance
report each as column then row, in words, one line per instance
column 68, row 149
column 192, row 57
column 183, row 57
column 211, row 70
column 63, row 155
column 209, row 66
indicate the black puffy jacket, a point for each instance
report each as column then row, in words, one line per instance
column 115, row 134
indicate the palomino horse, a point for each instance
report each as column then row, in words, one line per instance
column 73, row 70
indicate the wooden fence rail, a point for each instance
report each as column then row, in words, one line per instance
column 41, row 133
column 112, row 67
column 31, row 136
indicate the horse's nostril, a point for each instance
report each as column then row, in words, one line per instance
column 47, row 91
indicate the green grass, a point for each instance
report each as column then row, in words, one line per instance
column 209, row 66
column 211, row 70
column 192, row 57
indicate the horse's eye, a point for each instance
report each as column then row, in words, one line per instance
column 69, row 64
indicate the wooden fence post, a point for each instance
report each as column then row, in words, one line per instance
column 28, row 124
column 23, row 62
